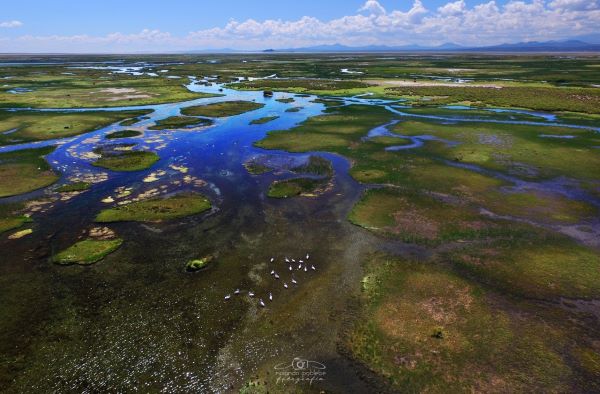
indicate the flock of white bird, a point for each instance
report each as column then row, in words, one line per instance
column 293, row 265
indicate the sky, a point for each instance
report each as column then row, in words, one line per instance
column 111, row 26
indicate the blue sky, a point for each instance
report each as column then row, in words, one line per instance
column 134, row 26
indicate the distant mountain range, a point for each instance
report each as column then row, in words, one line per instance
column 574, row 45
column 584, row 43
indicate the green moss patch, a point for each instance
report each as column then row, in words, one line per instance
column 198, row 264
column 156, row 210
column 87, row 252
column 223, row 109
column 127, row 161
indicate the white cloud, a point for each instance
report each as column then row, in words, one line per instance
column 575, row 5
column 373, row 7
column 456, row 8
column 481, row 24
column 11, row 24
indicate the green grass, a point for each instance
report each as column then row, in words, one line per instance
column 255, row 168
column 223, row 109
column 534, row 266
column 156, row 210
column 333, row 131
column 300, row 85
column 295, row 187
column 24, row 171
column 38, row 126
column 514, row 149
column 123, row 134
column 87, row 252
column 180, row 122
column 424, row 329
column 127, row 161
column 420, row 218
column 471, row 114
column 285, row 100
column 586, row 100
column 264, row 120
column 74, row 187
column 316, row 165
column 94, row 90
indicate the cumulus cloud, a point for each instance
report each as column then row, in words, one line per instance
column 11, row 24
column 373, row 7
column 486, row 23
column 575, row 5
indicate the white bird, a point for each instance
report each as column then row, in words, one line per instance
column 312, row 267
column 272, row 272
column 285, row 285
column 294, row 281
column 276, row 276
column 299, row 266
column 293, row 261
column 270, row 297
column 261, row 303
column 272, row 259
column 305, row 269
column 251, row 294
column 301, row 261
column 287, row 260
column 290, row 267
column 237, row 291
column 307, row 256
column 227, row 296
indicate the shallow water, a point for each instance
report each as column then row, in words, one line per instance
column 137, row 320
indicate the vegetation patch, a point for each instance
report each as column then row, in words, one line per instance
column 73, row 187
column 198, row 264
column 286, row 100
column 180, row 122
column 24, row 171
column 513, row 149
column 127, row 161
column 315, row 165
column 425, row 329
column 297, row 187
column 264, row 120
column 123, row 134
column 86, row 252
column 538, row 98
column 535, row 265
column 300, row 85
column 26, row 126
column 156, row 210
column 223, row 109
column 419, row 217
column 255, row 167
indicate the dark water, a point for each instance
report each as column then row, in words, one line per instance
column 136, row 321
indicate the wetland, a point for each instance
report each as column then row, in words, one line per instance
column 410, row 228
